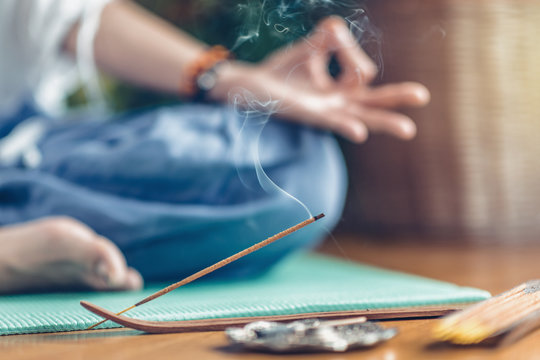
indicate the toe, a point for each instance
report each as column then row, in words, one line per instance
column 134, row 280
column 108, row 269
column 112, row 259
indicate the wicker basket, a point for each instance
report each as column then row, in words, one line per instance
column 474, row 168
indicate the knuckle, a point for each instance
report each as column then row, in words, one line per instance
column 372, row 68
column 334, row 23
column 367, row 73
column 367, row 67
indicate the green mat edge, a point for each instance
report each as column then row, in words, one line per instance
column 81, row 325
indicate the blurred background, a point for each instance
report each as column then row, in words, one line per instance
column 473, row 172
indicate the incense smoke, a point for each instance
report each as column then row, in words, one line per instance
column 276, row 23
column 273, row 23
column 256, row 114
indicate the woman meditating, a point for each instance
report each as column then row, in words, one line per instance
column 102, row 202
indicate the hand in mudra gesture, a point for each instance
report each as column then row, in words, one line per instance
column 297, row 77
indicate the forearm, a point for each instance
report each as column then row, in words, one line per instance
column 138, row 47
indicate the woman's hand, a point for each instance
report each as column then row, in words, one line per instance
column 293, row 83
column 297, row 77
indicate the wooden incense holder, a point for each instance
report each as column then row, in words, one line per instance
column 219, row 264
column 160, row 327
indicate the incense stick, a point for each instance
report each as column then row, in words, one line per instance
column 513, row 313
column 218, row 265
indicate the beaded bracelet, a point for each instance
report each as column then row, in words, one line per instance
column 201, row 72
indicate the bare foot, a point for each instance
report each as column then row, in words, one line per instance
column 61, row 253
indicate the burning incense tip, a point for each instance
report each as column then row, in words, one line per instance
column 321, row 215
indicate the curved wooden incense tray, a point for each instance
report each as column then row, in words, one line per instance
column 221, row 324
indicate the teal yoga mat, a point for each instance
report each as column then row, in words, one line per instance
column 301, row 284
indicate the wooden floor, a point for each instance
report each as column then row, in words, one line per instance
column 494, row 268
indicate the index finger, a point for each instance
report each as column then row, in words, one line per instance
column 355, row 63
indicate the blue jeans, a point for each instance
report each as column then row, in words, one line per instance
column 177, row 188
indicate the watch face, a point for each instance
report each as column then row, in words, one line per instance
column 206, row 81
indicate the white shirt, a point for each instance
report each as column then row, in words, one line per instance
column 32, row 63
